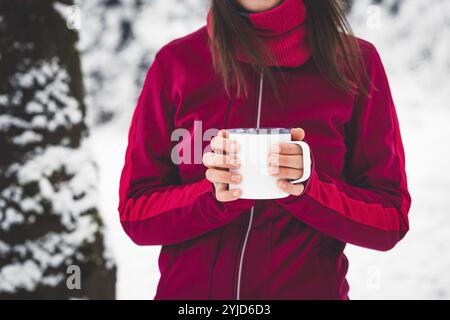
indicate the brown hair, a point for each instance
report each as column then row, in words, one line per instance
column 335, row 50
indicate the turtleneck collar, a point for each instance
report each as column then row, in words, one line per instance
column 282, row 29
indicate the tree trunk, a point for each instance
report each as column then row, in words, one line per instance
column 48, row 215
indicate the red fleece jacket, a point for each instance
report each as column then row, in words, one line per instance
column 357, row 192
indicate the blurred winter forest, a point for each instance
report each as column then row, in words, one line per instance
column 70, row 74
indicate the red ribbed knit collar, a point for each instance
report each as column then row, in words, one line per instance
column 283, row 30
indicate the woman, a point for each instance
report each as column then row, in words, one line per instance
column 291, row 63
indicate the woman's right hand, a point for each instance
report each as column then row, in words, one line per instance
column 222, row 158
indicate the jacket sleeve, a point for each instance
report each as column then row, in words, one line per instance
column 155, row 209
column 368, row 205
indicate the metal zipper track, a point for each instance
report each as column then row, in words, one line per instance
column 250, row 222
column 261, row 84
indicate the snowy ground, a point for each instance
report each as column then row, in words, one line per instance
column 418, row 268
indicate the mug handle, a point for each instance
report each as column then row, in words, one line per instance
column 306, row 161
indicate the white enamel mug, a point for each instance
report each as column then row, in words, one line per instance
column 254, row 148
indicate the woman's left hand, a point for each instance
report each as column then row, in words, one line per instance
column 286, row 162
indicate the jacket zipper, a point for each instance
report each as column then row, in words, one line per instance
column 250, row 221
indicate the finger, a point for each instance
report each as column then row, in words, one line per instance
column 228, row 195
column 293, row 189
column 219, row 187
column 223, row 133
column 289, row 161
column 286, row 148
column 297, row 134
column 221, row 176
column 211, row 159
column 285, row 173
column 225, row 195
column 224, row 145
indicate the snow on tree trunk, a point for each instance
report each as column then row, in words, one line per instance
column 48, row 215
